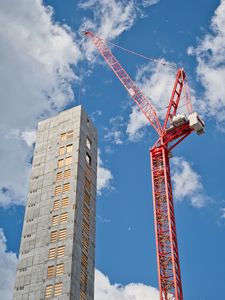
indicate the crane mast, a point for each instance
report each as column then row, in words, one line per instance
column 175, row 129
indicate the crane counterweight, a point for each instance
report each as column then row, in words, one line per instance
column 196, row 123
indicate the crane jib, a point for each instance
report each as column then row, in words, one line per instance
column 142, row 101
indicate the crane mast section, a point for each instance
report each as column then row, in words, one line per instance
column 169, row 274
column 141, row 100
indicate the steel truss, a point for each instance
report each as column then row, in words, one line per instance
column 165, row 226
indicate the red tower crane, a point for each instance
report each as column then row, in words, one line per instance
column 176, row 128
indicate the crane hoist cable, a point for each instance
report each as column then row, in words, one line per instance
column 160, row 61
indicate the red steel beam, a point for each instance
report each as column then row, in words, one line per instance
column 169, row 275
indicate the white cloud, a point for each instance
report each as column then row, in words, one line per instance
column 103, row 220
column 8, row 262
column 15, row 168
column 104, row 290
column 104, row 176
column 29, row 137
column 223, row 213
column 210, row 55
column 187, row 183
column 147, row 3
column 156, row 81
column 114, row 133
column 110, row 19
column 36, row 55
column 36, row 77
column 136, row 122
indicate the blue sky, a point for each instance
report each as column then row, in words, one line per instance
column 47, row 66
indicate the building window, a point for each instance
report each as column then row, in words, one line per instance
column 62, row 234
column 67, row 173
column 58, row 190
column 48, row 291
column 88, row 159
column 66, row 135
column 65, row 202
column 55, row 220
column 68, row 160
column 88, row 143
column 63, row 217
column 27, row 236
column 59, row 270
column 56, row 205
column 23, row 269
column 58, row 289
column 61, row 150
column 70, row 134
column 54, row 236
column 69, row 148
column 63, row 136
column 59, row 176
column 29, row 220
column 60, row 163
column 56, row 252
column 61, row 251
column 66, row 187
column 52, row 253
column 51, row 271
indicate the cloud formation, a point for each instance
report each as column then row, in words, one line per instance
column 114, row 134
column 223, row 213
column 36, row 75
column 104, row 290
column 8, row 262
column 156, row 82
column 104, row 177
column 137, row 121
column 210, row 56
column 110, row 19
column 187, row 183
column 147, row 3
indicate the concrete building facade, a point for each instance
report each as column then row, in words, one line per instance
column 57, row 251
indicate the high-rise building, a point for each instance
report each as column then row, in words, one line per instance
column 57, row 251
